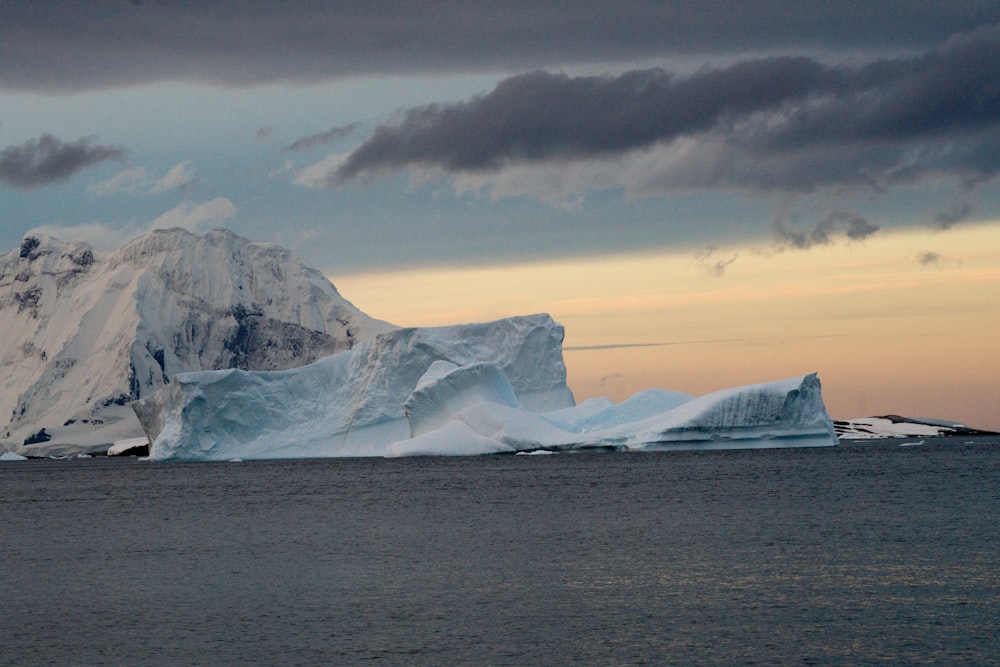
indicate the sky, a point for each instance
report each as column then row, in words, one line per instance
column 706, row 194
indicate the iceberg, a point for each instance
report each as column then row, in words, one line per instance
column 489, row 388
column 785, row 413
column 352, row 403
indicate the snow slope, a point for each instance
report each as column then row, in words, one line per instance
column 85, row 332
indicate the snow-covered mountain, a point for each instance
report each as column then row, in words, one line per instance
column 85, row 333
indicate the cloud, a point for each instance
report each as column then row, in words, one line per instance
column 48, row 159
column 853, row 227
column 611, row 380
column 321, row 138
column 711, row 263
column 136, row 180
column 619, row 346
column 319, row 175
column 180, row 175
column 954, row 215
column 99, row 235
column 611, row 346
column 264, row 133
column 127, row 180
column 195, row 217
column 544, row 116
column 74, row 46
column 789, row 124
column 928, row 258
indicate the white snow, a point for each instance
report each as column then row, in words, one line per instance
column 488, row 388
column 865, row 428
column 11, row 456
column 85, row 332
column 119, row 447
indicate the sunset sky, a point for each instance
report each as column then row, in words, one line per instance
column 705, row 194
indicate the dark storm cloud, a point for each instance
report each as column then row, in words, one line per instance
column 539, row 116
column 954, row 215
column 49, row 159
column 782, row 123
column 321, row 138
column 854, row 227
column 56, row 45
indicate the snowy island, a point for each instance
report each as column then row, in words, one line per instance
column 896, row 426
column 227, row 349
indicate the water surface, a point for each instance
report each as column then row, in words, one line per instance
column 864, row 554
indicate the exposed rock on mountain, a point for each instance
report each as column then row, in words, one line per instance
column 895, row 426
column 85, row 333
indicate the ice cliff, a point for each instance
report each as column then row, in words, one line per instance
column 786, row 413
column 497, row 387
column 85, row 332
column 353, row 403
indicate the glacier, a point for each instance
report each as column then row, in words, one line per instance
column 487, row 388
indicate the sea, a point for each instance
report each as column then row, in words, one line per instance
column 870, row 553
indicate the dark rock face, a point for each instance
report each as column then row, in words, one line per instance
column 28, row 245
column 853, row 429
column 139, row 450
column 41, row 436
column 263, row 343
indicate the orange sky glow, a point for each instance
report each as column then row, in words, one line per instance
column 889, row 327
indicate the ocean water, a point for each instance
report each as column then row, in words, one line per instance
column 870, row 553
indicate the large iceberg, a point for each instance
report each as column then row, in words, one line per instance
column 786, row 413
column 497, row 387
column 349, row 404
